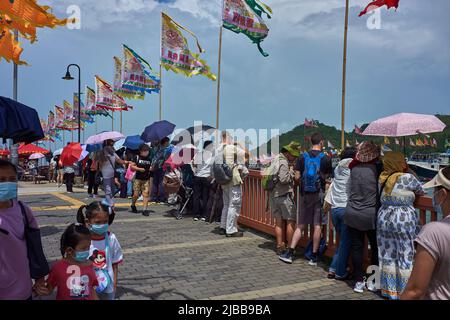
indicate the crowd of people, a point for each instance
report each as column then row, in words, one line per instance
column 367, row 195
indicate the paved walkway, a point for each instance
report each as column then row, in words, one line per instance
column 169, row 259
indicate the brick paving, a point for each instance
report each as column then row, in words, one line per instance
column 169, row 259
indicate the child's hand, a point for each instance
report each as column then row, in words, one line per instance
column 40, row 288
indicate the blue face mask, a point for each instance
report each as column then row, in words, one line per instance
column 81, row 256
column 8, row 191
column 99, row 228
column 437, row 207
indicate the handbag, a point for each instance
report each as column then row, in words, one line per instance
column 36, row 257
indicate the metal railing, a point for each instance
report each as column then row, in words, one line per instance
column 255, row 213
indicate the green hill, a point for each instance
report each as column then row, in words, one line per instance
column 332, row 134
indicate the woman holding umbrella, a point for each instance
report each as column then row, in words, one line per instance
column 107, row 159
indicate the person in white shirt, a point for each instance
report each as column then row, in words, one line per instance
column 202, row 180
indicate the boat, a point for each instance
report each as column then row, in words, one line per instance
column 428, row 165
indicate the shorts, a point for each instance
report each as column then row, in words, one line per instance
column 141, row 186
column 310, row 209
column 283, row 207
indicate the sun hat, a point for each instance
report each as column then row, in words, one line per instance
column 293, row 148
column 440, row 180
column 367, row 151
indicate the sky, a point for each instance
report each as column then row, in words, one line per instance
column 404, row 66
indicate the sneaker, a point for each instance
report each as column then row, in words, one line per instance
column 195, row 219
column 134, row 209
column 238, row 234
column 359, row 287
column 140, row 198
column 286, row 257
column 203, row 219
column 146, row 213
column 222, row 231
column 281, row 249
column 371, row 287
column 313, row 261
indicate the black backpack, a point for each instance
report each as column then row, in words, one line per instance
column 36, row 257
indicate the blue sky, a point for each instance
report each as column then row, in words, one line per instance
column 404, row 66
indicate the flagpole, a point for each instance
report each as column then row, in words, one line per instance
column 95, row 120
column 160, row 91
column 14, row 148
column 112, row 120
column 121, row 121
column 344, row 73
column 219, row 64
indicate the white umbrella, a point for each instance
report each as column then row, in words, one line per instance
column 35, row 156
column 108, row 135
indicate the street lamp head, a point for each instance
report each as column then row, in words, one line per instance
column 68, row 76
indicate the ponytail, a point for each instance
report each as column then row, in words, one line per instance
column 81, row 217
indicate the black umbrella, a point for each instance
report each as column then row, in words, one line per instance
column 19, row 122
column 189, row 133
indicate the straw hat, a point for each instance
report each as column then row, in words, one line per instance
column 440, row 180
column 293, row 148
column 367, row 151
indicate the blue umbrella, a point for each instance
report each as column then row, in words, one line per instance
column 94, row 147
column 19, row 122
column 133, row 142
column 157, row 131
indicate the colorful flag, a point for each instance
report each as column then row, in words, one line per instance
column 51, row 120
column 310, row 123
column 425, row 141
column 137, row 75
column 245, row 16
column 119, row 89
column 411, row 143
column 358, row 130
column 386, row 140
column 379, row 3
column 10, row 49
column 175, row 53
column 419, row 143
column 68, row 110
column 434, row 142
column 59, row 117
column 330, row 145
column 105, row 97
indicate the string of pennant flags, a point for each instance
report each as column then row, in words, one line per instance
column 134, row 76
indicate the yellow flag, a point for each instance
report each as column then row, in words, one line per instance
column 9, row 48
column 29, row 12
column 175, row 53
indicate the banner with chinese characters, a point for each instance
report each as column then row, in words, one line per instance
column 105, row 97
column 137, row 75
column 175, row 53
column 245, row 16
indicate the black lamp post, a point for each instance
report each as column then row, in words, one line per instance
column 68, row 76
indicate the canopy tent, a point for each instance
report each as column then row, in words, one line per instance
column 29, row 149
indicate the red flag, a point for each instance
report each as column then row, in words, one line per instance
column 379, row 3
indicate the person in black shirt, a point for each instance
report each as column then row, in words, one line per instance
column 141, row 165
column 311, row 197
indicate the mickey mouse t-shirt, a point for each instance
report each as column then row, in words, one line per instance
column 73, row 282
column 103, row 257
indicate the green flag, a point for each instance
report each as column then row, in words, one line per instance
column 245, row 16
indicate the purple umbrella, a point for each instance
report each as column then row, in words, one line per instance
column 404, row 124
column 157, row 130
column 107, row 135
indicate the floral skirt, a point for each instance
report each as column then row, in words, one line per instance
column 397, row 227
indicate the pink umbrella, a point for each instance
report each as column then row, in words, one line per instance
column 404, row 124
column 36, row 156
column 107, row 135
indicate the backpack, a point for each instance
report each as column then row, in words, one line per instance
column 222, row 172
column 311, row 174
column 270, row 175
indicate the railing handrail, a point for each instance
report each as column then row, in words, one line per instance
column 255, row 214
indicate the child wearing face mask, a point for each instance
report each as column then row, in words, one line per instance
column 105, row 251
column 73, row 276
column 15, row 276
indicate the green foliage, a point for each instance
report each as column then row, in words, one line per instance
column 333, row 135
